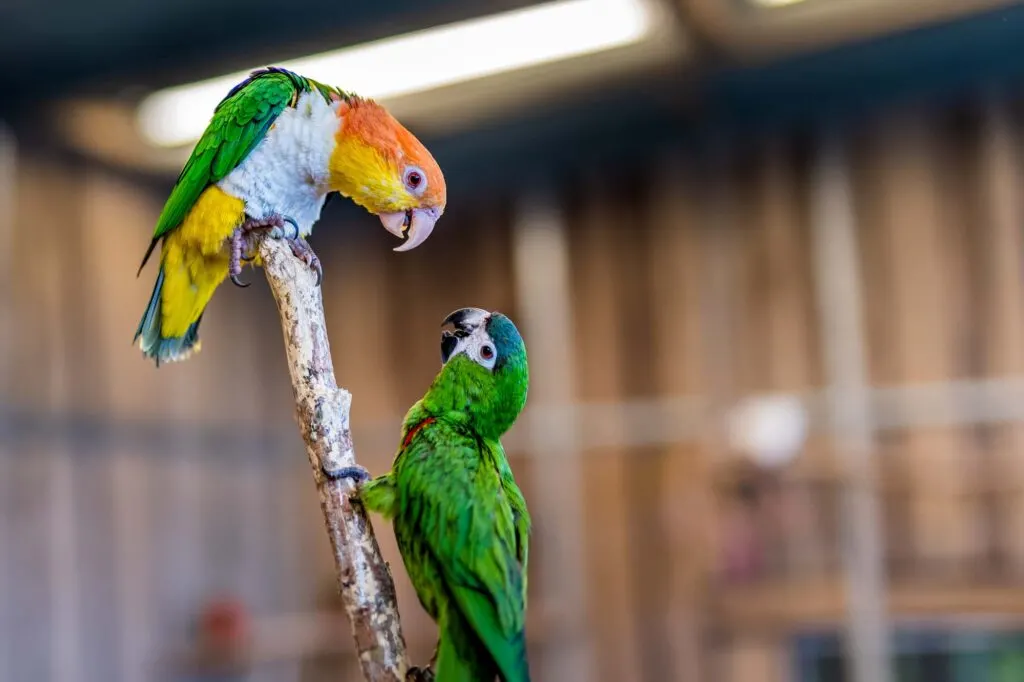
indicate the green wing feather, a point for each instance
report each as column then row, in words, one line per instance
column 459, row 507
column 520, row 517
column 240, row 122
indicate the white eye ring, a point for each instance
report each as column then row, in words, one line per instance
column 485, row 355
column 415, row 180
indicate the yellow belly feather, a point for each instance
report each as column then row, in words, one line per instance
column 195, row 259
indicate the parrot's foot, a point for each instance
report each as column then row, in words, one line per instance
column 356, row 474
column 415, row 674
column 304, row 252
column 276, row 227
column 424, row 674
column 235, row 261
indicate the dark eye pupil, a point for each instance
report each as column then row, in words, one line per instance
column 414, row 179
column 487, row 352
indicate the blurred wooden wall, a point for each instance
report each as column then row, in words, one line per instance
column 652, row 302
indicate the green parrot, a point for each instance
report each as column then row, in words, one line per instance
column 277, row 145
column 460, row 519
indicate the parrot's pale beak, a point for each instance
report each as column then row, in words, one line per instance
column 466, row 320
column 415, row 225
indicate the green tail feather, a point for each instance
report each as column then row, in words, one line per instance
column 475, row 614
column 462, row 657
column 154, row 345
column 511, row 661
column 462, row 663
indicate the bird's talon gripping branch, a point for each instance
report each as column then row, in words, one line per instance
column 277, row 227
column 304, row 252
column 356, row 474
column 417, row 674
column 235, row 262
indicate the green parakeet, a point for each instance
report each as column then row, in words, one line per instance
column 460, row 519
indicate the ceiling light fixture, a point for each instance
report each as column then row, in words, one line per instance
column 770, row 4
column 423, row 60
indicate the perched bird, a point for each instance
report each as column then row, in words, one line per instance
column 460, row 520
column 277, row 145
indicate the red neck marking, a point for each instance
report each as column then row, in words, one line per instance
column 416, row 429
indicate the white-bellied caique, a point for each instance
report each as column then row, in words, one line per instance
column 276, row 146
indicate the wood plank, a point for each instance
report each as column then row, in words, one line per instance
column 540, row 247
column 926, row 272
column 31, row 604
column 755, row 657
column 1000, row 267
column 137, row 647
column 603, row 346
column 840, row 305
column 52, row 359
column 8, row 308
column 790, row 338
column 677, row 285
column 822, row 602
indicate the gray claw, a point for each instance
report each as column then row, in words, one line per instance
column 416, row 674
column 294, row 234
column 288, row 230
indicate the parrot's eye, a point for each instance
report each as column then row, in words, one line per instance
column 485, row 356
column 415, row 179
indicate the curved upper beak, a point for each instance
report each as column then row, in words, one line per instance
column 466, row 320
column 415, row 225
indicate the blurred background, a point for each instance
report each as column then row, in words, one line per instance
column 768, row 259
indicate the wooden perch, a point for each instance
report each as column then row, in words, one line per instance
column 322, row 409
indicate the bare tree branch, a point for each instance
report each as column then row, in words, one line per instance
column 322, row 410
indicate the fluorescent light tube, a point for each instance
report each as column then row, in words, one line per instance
column 423, row 60
column 769, row 4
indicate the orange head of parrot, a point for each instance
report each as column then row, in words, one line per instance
column 382, row 167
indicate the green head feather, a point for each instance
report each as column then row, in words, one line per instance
column 485, row 377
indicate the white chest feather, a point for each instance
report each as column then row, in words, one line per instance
column 287, row 172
